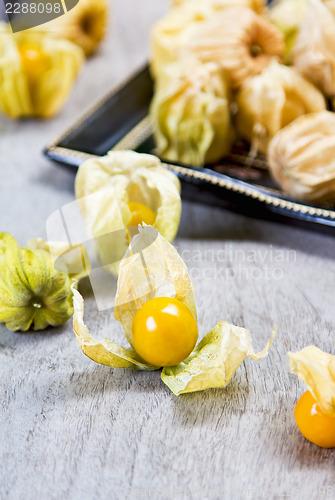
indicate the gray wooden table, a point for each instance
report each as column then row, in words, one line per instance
column 71, row 429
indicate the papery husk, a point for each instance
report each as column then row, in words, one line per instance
column 317, row 369
column 71, row 259
column 17, row 99
column 85, row 25
column 151, row 268
column 330, row 4
column 105, row 352
column 214, row 361
column 33, row 294
column 270, row 101
column 105, row 185
column 287, row 15
column 190, row 113
column 314, row 51
column 239, row 41
column 170, row 34
column 256, row 5
column 301, row 157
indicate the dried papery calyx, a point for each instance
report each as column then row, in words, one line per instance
column 239, row 41
column 287, row 15
column 317, row 369
column 121, row 190
column 190, row 113
column 270, row 101
column 33, row 294
column 314, row 51
column 330, row 4
column 301, row 158
column 36, row 73
column 170, row 34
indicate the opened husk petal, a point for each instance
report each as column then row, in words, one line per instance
column 317, row 369
column 105, row 352
column 214, row 361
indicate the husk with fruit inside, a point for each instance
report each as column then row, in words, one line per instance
column 104, row 186
column 301, row 157
column 256, row 5
column 190, row 113
column 169, row 34
column 317, row 369
column 152, row 268
column 33, row 294
column 44, row 98
column 270, row 101
column 314, row 50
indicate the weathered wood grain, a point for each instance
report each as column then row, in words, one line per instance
column 71, row 429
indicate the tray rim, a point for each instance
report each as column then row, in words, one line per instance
column 143, row 130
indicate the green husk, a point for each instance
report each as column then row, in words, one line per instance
column 33, row 294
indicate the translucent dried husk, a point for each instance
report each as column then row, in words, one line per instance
column 33, row 294
column 301, row 157
column 105, row 185
column 287, row 16
column 317, row 369
column 85, row 25
column 190, row 113
column 170, row 34
column 256, row 5
column 270, row 101
column 214, row 361
column 238, row 40
column 152, row 268
column 314, row 51
column 17, row 97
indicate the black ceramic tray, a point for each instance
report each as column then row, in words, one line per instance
column 120, row 121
